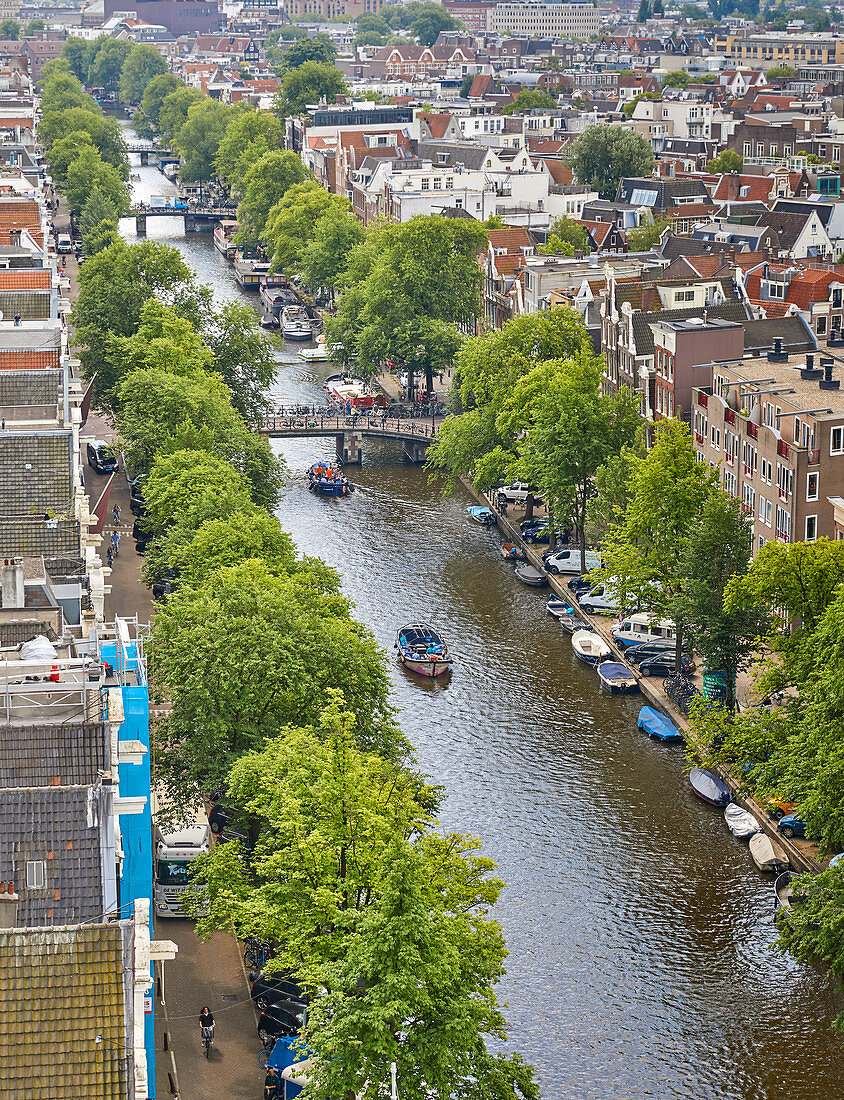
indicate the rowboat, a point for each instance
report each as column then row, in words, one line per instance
column 511, row 552
column 531, row 576
column 657, row 725
column 327, row 481
column 784, row 889
column 589, row 647
column 710, row 788
column 484, row 516
column 617, row 678
column 422, row 650
column 740, row 823
column 767, row 854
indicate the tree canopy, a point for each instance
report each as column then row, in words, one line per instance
column 604, row 155
column 140, row 67
column 307, row 84
column 530, row 99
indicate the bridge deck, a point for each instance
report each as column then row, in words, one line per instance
column 373, row 426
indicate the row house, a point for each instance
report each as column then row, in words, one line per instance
column 503, row 265
column 412, row 60
column 759, row 140
column 769, row 49
column 816, row 294
column 681, row 118
column 663, row 196
column 545, row 275
column 774, row 425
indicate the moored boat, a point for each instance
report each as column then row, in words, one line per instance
column 422, row 650
column 484, row 516
column 295, row 323
column 328, row 481
column 558, row 607
column 322, row 353
column 573, row 623
column 589, row 647
column 655, row 724
column 530, row 576
column 248, row 272
column 224, row 232
column 784, row 890
column 767, row 854
column 740, row 822
column 511, row 552
column 348, row 392
column 617, row 678
column 269, row 320
column 710, row 788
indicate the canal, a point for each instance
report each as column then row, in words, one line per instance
column 640, row 934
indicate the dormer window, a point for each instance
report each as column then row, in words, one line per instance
column 776, row 290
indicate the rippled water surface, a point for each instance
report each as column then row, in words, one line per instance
column 640, row 934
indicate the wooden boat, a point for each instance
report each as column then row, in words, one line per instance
column 224, row 232
column 484, row 516
column 657, row 725
column 740, row 822
column 589, row 647
column 511, row 552
column 530, row 576
column 784, row 890
column 422, row 650
column 328, row 481
column 347, row 392
column 558, row 607
column 248, row 272
column 617, row 678
column 710, row 788
column 295, row 323
column 767, row 854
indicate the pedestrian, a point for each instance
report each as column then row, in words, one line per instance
column 109, row 556
column 116, row 513
column 17, row 320
column 272, row 1083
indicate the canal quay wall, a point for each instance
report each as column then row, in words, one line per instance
column 802, row 855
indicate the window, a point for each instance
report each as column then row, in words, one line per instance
column 776, row 290
column 836, row 298
column 821, row 326
column 836, row 441
column 747, row 148
column 36, row 874
column 438, row 183
column 812, row 486
column 786, row 150
column 811, row 528
column 715, row 438
column 760, row 149
column 748, row 496
column 766, row 471
column 426, row 184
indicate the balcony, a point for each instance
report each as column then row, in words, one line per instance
column 782, row 536
column 752, row 430
column 814, row 456
column 699, row 439
column 730, row 459
column 782, row 448
column 747, row 508
column 783, row 495
column 703, row 400
column 730, row 416
column 748, row 470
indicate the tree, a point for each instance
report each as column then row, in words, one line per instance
column 199, row 139
column 307, row 84
column 105, row 134
column 644, row 12
column 431, row 20
column 265, row 185
column 156, row 92
column 781, row 72
column 658, row 8
column 530, row 99
column 78, row 53
column 603, row 155
column 173, row 113
column 192, row 488
column 678, row 79
column 291, row 224
column 718, row 547
column 141, row 66
column 647, row 234
column 107, row 63
column 10, row 29
column 34, row 26
column 220, row 543
column 643, row 555
column 97, row 208
column 65, row 151
column 88, row 173
column 815, row 926
column 324, row 260
column 62, row 92
column 248, row 137
column 249, row 652
column 320, row 49
column 566, row 235
column 726, row 161
column 243, row 357
column 466, row 85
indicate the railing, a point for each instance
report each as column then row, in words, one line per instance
column 748, row 470
column 782, row 494
column 752, row 430
column 703, row 400
column 699, row 439
column 730, row 458
column 421, row 422
column 814, row 456
column 746, row 508
column 730, row 416
column 782, row 536
column 782, row 448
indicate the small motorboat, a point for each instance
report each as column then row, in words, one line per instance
column 295, row 323
column 767, row 854
column 322, row 353
column 710, row 788
column 135, row 176
column 328, row 481
column 530, row 576
column 511, row 552
column 589, row 647
column 740, row 822
column 269, row 320
column 657, row 725
column 558, row 607
column 484, row 516
column 617, row 678
column 784, row 890
column 422, row 650
column 572, row 622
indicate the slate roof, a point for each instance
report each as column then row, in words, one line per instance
column 36, row 472
column 787, row 227
column 50, row 824
column 36, row 537
column 644, row 337
column 80, row 972
column 13, row 633
column 472, row 157
column 32, row 305
column 759, row 335
column 48, row 756
column 36, row 387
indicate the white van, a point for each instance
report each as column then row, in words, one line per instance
column 64, row 243
column 641, row 627
column 568, row 561
column 601, row 600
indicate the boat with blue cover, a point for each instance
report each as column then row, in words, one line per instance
column 710, row 788
column 422, row 650
column 328, row 481
column 655, row 724
column 617, row 678
column 484, row 516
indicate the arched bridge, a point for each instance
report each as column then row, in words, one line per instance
column 197, row 219
column 416, row 433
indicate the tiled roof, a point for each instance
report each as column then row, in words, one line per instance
column 36, row 473
column 51, row 825
column 513, row 239
column 771, row 309
column 806, row 286
column 36, row 279
column 36, row 536
column 48, row 756
column 759, row 336
column 437, row 124
column 37, row 387
column 29, row 359
column 24, row 630
column 32, row 305
column 787, row 227
column 559, row 173
column 47, row 1048
column 727, row 311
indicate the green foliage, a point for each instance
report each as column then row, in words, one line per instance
column 308, row 84
column 143, row 64
column 565, row 231
column 88, row 172
column 466, row 85
column 105, row 134
column 97, row 222
column 248, row 137
column 781, row 72
column 324, row 260
column 815, row 926
column 199, row 138
column 191, row 488
column 726, row 161
column 220, row 543
column 628, row 108
column 644, row 12
column 107, row 60
column 10, row 30
column 243, row 357
column 603, row 155
column 155, row 93
column 61, row 92
column 647, row 234
column 173, row 112
column 77, row 52
column 320, row 49
column 678, row 79
column 65, row 151
column 429, row 22
column 34, row 26
column 292, row 222
column 530, row 99
column 263, row 187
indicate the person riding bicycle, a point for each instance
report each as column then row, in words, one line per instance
column 206, row 1023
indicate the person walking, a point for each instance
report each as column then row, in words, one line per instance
column 109, row 556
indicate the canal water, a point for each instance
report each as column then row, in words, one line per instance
column 640, row 934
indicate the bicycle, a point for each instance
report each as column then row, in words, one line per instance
column 256, row 952
column 208, row 1039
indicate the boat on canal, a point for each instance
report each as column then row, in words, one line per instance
column 422, row 650
column 558, row 607
column 248, row 273
column 784, row 891
column 295, row 323
column 710, row 788
column 484, row 516
column 767, row 854
column 224, row 232
column 655, row 724
column 328, row 481
column 530, row 575
column 348, row 392
column 511, row 552
column 617, row 678
column 275, row 293
column 322, row 353
column 589, row 647
column 740, row 822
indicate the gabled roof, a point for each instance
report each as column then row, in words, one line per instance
column 559, row 172
column 644, row 337
column 787, row 227
column 759, row 336
column 437, row 123
column 45, row 756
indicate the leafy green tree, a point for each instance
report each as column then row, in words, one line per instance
column 265, row 185
column 324, row 259
column 248, row 137
column 431, row 20
column 220, row 543
column 643, row 555
column 612, row 494
column 173, row 112
column 466, row 85
column 107, row 63
column 97, row 208
column 199, row 139
column 678, row 79
column 658, row 8
column 34, row 26
column 156, row 92
column 192, row 488
column 566, row 235
column 307, row 84
column 10, row 30
column 726, row 161
column 603, row 155
column 292, row 222
column 815, row 926
column 781, row 72
column 530, row 99
column 88, row 173
column 647, row 234
column 60, row 93
column 319, row 49
column 65, row 151
column 58, row 66
column 243, row 357
column 251, row 651
column 141, row 66
column 100, row 236
column 105, row 134
column 644, row 12
column 78, row 53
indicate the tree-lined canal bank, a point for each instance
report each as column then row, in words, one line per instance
column 640, row 934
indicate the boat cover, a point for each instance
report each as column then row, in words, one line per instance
column 740, row 822
column 657, row 725
column 709, row 787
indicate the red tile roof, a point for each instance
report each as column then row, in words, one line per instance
column 39, row 279
column 437, row 124
column 513, row 239
column 28, row 359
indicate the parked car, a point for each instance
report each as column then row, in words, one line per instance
column 518, row 492
column 570, row 560
column 662, row 664
column 779, row 807
column 580, row 584
column 600, row 600
column 101, row 457
column 281, row 1018
column 637, row 653
column 540, row 534
column 536, row 521
column 791, row 826
column 276, row 987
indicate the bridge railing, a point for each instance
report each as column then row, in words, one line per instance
column 301, row 418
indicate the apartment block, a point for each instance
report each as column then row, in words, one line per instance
column 542, row 18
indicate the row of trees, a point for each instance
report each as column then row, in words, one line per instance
column 115, row 65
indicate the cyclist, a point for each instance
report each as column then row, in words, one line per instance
column 206, row 1023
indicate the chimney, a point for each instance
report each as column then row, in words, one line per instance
column 11, row 584
column 8, row 905
column 827, row 382
column 810, row 372
column 777, row 355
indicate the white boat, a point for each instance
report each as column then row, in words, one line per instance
column 590, row 647
column 767, row 854
column 346, row 391
column 740, row 823
column 275, row 293
column 224, row 231
column 422, row 650
column 320, row 354
column 295, row 324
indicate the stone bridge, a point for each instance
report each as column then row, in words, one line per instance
column 415, row 433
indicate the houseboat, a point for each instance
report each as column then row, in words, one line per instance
column 249, row 272
column 224, row 232
column 348, row 392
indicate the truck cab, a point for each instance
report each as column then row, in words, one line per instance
column 175, row 851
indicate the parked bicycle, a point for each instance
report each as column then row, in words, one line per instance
column 680, row 690
column 256, row 953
